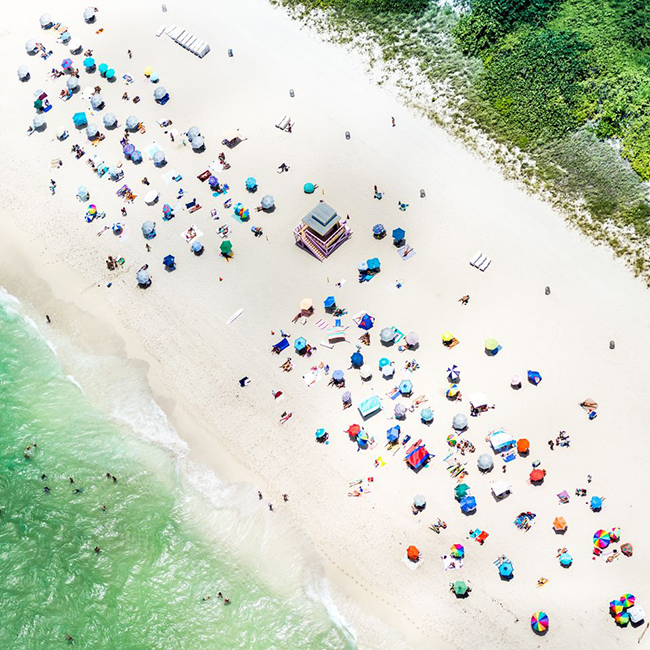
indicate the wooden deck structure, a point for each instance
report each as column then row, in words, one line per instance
column 321, row 231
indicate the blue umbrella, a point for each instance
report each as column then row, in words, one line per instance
column 132, row 122
column 320, row 433
column 357, row 359
column 566, row 560
column 169, row 261
column 102, row 68
column 453, row 374
column 467, row 504
column 143, row 276
column 213, row 181
column 66, row 63
column 251, row 183
column 80, row 119
column 426, row 415
column 393, row 433
column 136, row 157
column 267, row 202
column 154, row 76
column 329, row 302
column 338, row 375
column 384, row 362
column 596, row 503
column 406, row 387
column 89, row 62
column 506, row 569
column 149, row 229
column 196, row 246
column 373, row 264
column 398, row 234
column 299, row 344
column 378, row 230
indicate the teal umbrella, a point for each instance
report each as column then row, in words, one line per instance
column 102, row 68
column 89, row 62
column 309, row 188
column 110, row 73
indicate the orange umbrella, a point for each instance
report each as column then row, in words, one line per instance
column 412, row 553
column 559, row 524
column 523, row 445
column 537, row 475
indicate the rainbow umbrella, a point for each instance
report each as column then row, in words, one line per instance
column 615, row 607
column 245, row 215
column 92, row 209
column 239, row 209
column 539, row 622
column 457, row 550
column 622, row 619
column 601, row 538
column 615, row 534
column 628, row 600
column 451, row 440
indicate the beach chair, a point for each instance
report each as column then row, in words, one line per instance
column 160, row 31
column 484, row 264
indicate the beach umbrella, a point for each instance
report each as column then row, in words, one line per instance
column 362, row 267
column 406, row 387
column 615, row 534
column 196, row 247
column 453, row 373
column 523, row 445
column 596, row 503
column 467, row 504
column 338, row 375
column 160, row 93
column 300, row 344
column 89, row 14
column 213, row 181
column 400, row 411
column 388, row 371
column 96, row 101
column 534, row 377
column 239, row 209
column 412, row 339
column 251, row 183
column 309, row 188
column 320, row 433
column 346, row 398
column 226, row 247
column 353, row 430
column 159, row 157
column 75, row 45
column 329, row 302
column 66, row 63
column 109, row 120
column 167, row 210
column 128, row 150
column 306, row 304
column 31, row 46
column 374, row 264
column 132, row 122
column 459, row 422
column 72, row 83
column 143, row 276
column 537, row 476
column 636, row 614
column 452, row 392
column 387, row 335
column 357, row 359
column 92, row 209
column 539, row 621
column 622, row 619
column 102, row 68
column 615, row 607
column 136, row 157
column 61, row 132
column 399, row 234
column 447, row 337
column 515, row 382
column 559, row 524
column 268, row 202
column 627, row 549
column 460, row 587
column 419, row 501
column 378, row 230
column 147, row 71
column 198, row 143
column 23, row 73
column 412, row 553
column 485, row 462
column 451, row 440
column 506, row 569
column 457, row 550
column 82, row 193
column 565, row 560
column 149, row 229
column 89, row 62
column 39, row 121
column 151, row 197
column 461, row 490
column 491, row 344
column 38, row 104
column 601, row 539
column 393, row 433
column 65, row 37
column 92, row 131
column 628, row 600
column 114, row 172
column 192, row 132
column 45, row 21
column 426, row 415
column 367, row 322
column 155, row 77
column 169, row 261
column 362, row 436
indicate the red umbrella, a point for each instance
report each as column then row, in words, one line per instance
column 537, row 475
column 354, row 430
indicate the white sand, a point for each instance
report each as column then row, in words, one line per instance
column 178, row 325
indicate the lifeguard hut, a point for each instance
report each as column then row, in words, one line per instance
column 321, row 231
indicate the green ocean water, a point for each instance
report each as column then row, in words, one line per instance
column 146, row 586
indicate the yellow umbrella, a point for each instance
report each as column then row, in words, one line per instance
column 447, row 337
column 306, row 304
column 491, row 344
column 147, row 71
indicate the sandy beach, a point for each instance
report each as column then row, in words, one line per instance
column 53, row 260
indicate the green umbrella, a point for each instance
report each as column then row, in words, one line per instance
column 460, row 587
column 491, row 344
column 226, row 247
column 309, row 188
column 461, row 490
column 38, row 104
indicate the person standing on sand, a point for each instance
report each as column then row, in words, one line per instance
column 393, row 120
column 130, row 54
column 48, row 319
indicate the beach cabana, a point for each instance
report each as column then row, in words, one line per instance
column 23, row 73
column 45, row 21
column 149, row 229
column 460, row 422
column 96, row 101
column 485, row 462
column 370, row 406
column 267, row 202
column 321, row 231
column 636, row 614
column 109, row 120
column 559, row 525
column 417, row 458
column 501, row 441
column 161, row 95
column 501, row 489
column 467, row 504
column 92, row 131
column 143, row 277
column 132, row 122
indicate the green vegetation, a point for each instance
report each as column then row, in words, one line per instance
column 567, row 82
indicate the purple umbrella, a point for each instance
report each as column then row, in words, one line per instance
column 66, row 63
column 128, row 150
column 212, row 181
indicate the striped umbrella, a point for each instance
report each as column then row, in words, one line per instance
column 457, row 550
column 628, row 600
column 615, row 534
column 601, row 539
column 622, row 619
column 615, row 607
column 539, row 622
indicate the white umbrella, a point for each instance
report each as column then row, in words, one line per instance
column 151, row 197
column 485, row 462
column 412, row 339
column 159, row 157
column 91, row 131
column 89, row 14
column 159, row 93
column 75, row 45
column 132, row 122
column 388, row 371
column 197, row 142
column 268, row 202
column 96, row 101
column 72, row 83
column 45, row 21
column 387, row 335
column 459, row 423
column 192, row 132
column 109, row 120
column 23, row 73
column 38, row 121
column 114, row 172
column 31, row 46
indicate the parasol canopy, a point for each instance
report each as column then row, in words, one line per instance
column 539, row 622
column 461, row 490
column 226, row 247
column 143, row 276
column 309, row 188
column 23, row 73
column 457, row 550
column 460, row 422
column 412, row 339
column 109, row 120
column 387, row 335
column 412, row 553
column 601, row 539
column 537, row 476
column 565, row 559
column 628, row 600
column 460, row 587
column 267, row 202
column 559, row 524
column 491, row 344
column 485, row 462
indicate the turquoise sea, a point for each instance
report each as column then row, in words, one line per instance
column 162, row 552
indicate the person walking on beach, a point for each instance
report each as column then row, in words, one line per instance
column 464, row 300
column 259, row 494
column 551, row 444
column 393, row 120
column 48, row 319
column 285, row 497
column 130, row 54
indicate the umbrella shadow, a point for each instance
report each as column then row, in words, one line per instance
column 270, row 210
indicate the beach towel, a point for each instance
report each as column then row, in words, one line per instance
column 321, row 324
column 311, row 377
column 168, row 177
column 191, row 233
column 451, row 563
column 406, row 252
